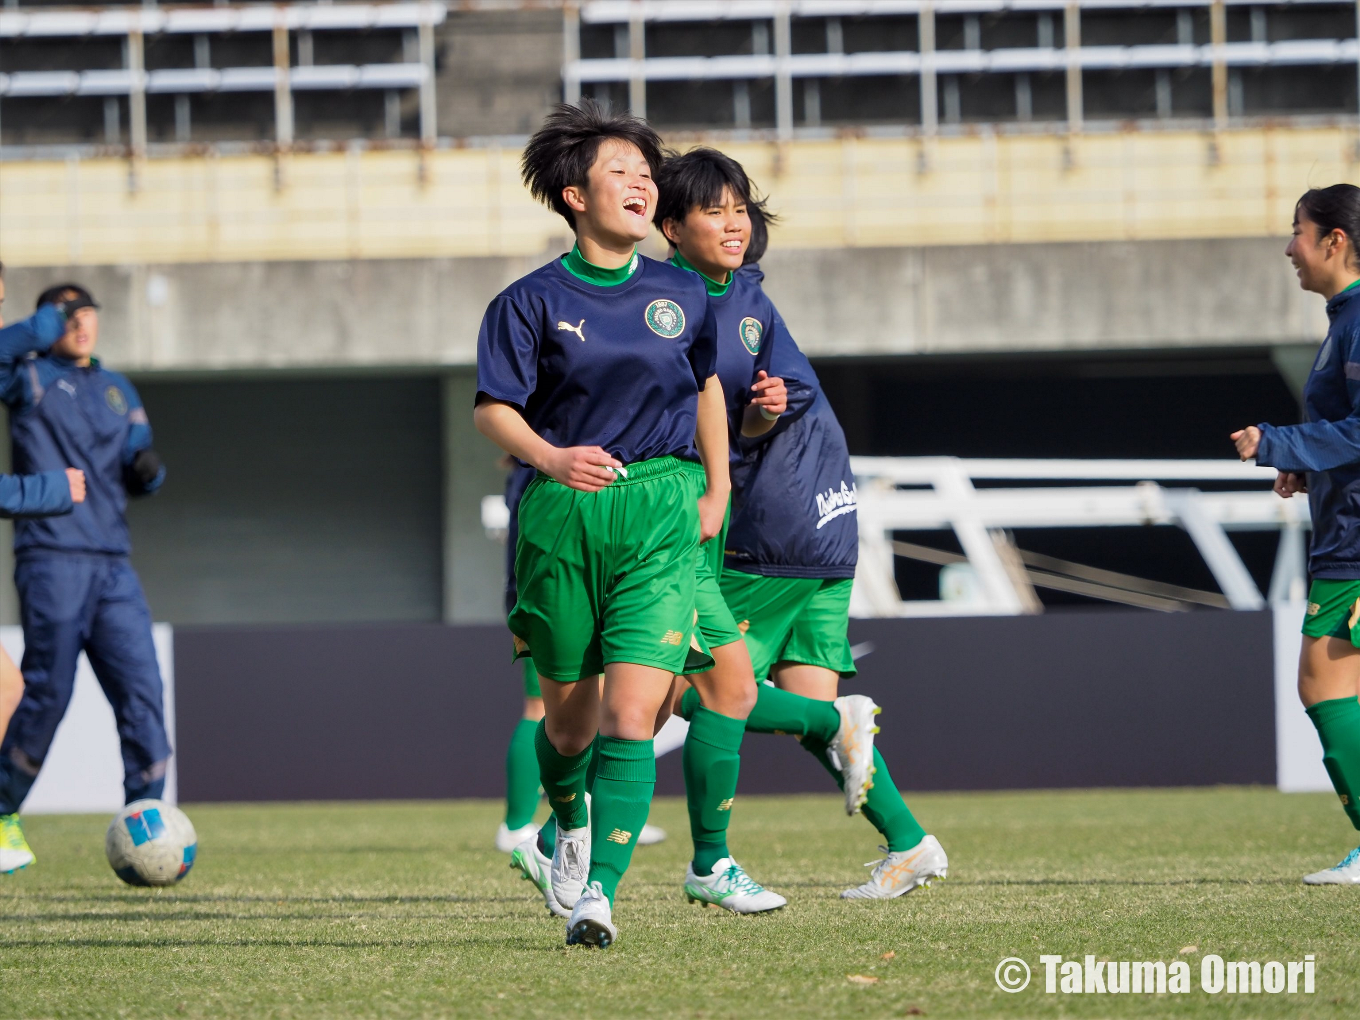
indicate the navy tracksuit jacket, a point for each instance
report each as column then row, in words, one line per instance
column 77, row 589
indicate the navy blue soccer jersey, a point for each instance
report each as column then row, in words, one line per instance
column 619, row 367
column 794, row 505
column 747, row 326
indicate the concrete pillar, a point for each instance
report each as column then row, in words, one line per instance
column 1218, row 38
column 783, row 92
column 637, row 53
column 1072, row 43
column 474, row 565
column 283, row 89
column 571, row 52
column 926, row 35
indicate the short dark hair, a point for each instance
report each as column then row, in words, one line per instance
column 54, row 294
column 1334, row 208
column 562, row 151
column 698, row 179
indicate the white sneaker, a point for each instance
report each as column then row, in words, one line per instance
column 1345, row 873
column 902, row 871
column 853, row 749
column 650, row 835
column 731, row 888
column 507, row 839
column 533, row 866
column 570, row 864
column 591, row 923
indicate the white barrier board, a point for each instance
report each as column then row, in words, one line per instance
column 1298, row 752
column 84, row 769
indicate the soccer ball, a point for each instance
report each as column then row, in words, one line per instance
column 151, row 842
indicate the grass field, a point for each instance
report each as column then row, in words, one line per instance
column 405, row 910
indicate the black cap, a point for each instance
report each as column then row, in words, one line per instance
column 57, row 295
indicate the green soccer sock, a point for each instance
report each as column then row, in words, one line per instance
column 619, row 803
column 521, row 776
column 779, row 711
column 547, row 835
column 885, row 808
column 711, row 761
column 563, row 778
column 1338, row 726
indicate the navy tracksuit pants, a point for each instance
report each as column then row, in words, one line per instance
column 74, row 602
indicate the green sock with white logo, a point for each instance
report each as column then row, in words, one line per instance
column 563, row 779
column 779, row 711
column 1338, row 726
column 619, row 803
column 884, row 807
column 711, row 760
column 521, row 776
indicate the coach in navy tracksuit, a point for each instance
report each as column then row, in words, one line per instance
column 77, row 590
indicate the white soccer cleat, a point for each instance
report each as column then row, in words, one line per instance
column 1345, row 873
column 853, row 749
column 532, row 865
column 650, row 835
column 15, row 853
column 507, row 839
column 591, row 922
column 731, row 888
column 902, row 871
column 570, row 864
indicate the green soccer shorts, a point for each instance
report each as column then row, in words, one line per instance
column 792, row 619
column 717, row 626
column 609, row 576
column 1333, row 611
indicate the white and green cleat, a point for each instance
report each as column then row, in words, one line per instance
column 15, row 852
column 592, row 922
column 650, row 835
column 570, row 865
column 853, row 749
column 902, row 871
column 536, row 868
column 1345, row 873
column 731, row 888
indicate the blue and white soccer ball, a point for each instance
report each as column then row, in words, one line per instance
column 151, row 842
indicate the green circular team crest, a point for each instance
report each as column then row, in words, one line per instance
column 113, row 396
column 665, row 318
column 750, row 330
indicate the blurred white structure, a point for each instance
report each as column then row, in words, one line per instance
column 84, row 769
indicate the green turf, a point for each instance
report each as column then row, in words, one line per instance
column 405, row 910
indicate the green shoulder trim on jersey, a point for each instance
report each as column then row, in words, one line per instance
column 715, row 289
column 575, row 263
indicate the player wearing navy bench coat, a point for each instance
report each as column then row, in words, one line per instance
column 77, row 590
column 792, row 544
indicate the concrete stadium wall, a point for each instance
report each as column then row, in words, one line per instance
column 384, row 314
column 1090, row 698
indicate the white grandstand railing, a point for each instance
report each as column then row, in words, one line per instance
column 635, row 69
column 937, row 493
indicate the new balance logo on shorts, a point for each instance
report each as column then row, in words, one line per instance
column 672, row 637
column 619, row 836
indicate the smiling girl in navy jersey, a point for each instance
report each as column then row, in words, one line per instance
column 598, row 370
column 792, row 544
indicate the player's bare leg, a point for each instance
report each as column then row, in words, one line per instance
column 15, row 852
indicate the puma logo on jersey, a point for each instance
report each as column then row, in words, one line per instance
column 62, row 384
column 619, row 836
column 577, row 329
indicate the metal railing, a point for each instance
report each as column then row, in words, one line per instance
column 773, row 57
column 937, row 494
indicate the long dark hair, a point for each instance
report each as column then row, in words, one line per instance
column 698, row 179
column 562, row 151
column 1334, row 208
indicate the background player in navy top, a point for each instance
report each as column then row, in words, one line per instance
column 792, row 544
column 77, row 590
column 1322, row 458
column 598, row 370
column 52, row 492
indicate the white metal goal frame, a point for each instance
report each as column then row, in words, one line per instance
column 937, row 494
